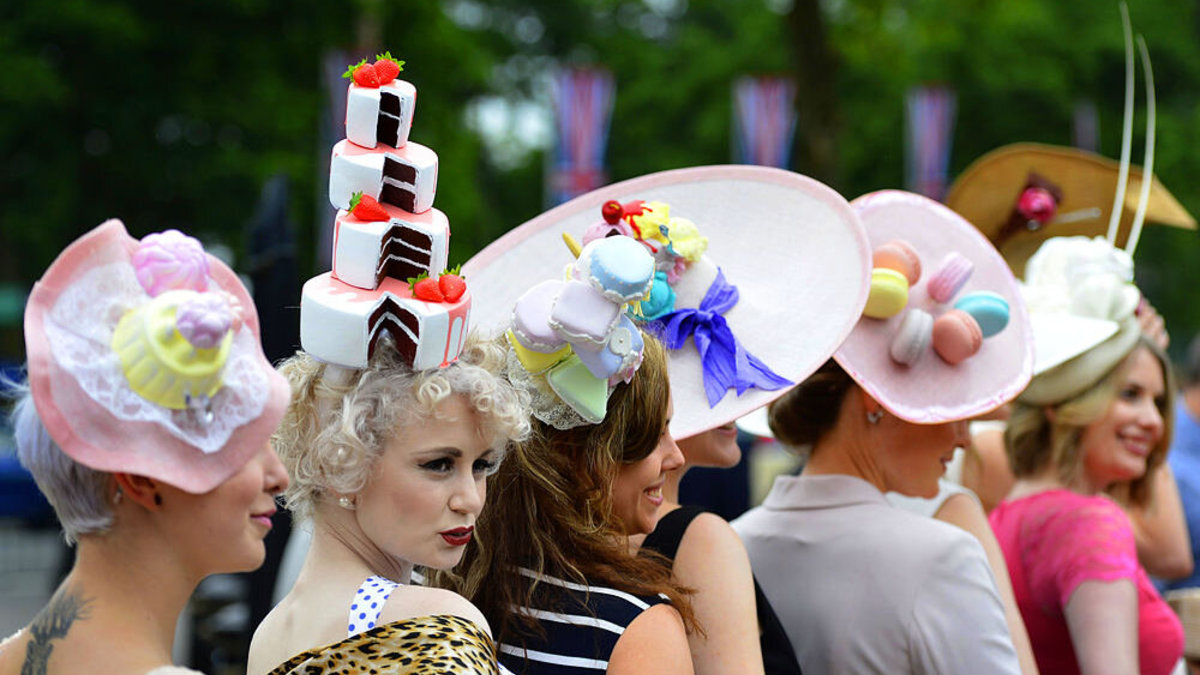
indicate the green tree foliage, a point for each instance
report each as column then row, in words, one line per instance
column 172, row 114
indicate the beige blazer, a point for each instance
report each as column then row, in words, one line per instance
column 863, row 587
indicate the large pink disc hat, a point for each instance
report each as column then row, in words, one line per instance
column 145, row 358
column 955, row 342
column 791, row 246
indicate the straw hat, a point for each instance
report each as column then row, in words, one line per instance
column 1084, row 183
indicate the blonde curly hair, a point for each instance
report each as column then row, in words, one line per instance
column 340, row 419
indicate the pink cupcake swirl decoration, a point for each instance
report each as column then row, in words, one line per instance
column 170, row 260
column 204, row 320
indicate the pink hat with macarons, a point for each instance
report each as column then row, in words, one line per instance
column 949, row 337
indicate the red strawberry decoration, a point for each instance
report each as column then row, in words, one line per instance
column 387, row 67
column 452, row 287
column 426, row 288
column 364, row 74
column 367, row 208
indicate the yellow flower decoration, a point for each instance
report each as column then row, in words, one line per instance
column 655, row 214
column 686, row 239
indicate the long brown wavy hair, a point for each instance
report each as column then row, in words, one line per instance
column 550, row 510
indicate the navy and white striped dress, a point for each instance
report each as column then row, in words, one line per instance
column 580, row 632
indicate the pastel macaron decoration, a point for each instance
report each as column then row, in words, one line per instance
column 170, row 260
column 962, row 345
column 950, row 277
column 990, row 310
column 897, row 268
column 614, row 267
column 898, row 255
column 913, row 338
column 575, row 333
column 889, row 294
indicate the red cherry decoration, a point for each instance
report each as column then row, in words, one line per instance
column 612, row 211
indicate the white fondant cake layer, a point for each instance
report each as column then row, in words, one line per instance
column 366, row 118
column 404, row 177
column 339, row 323
column 404, row 246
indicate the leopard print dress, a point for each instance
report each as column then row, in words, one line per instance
column 441, row 643
column 429, row 644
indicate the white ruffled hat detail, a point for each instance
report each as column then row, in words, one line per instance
column 144, row 357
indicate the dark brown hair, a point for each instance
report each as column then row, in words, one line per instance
column 550, row 510
column 806, row 413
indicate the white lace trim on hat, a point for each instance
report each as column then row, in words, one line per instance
column 80, row 327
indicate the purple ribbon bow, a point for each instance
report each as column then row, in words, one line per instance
column 726, row 362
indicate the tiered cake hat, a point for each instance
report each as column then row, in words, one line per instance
column 145, row 358
column 389, row 244
column 754, row 275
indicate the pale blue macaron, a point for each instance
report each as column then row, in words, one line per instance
column 989, row 310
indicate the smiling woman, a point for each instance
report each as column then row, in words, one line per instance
column 1070, row 546
column 551, row 567
column 391, row 466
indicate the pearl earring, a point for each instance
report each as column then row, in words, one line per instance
column 346, row 503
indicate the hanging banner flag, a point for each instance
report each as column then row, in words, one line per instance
column 583, row 101
column 1085, row 127
column 764, row 120
column 931, row 110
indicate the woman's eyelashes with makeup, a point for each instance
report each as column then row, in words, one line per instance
column 445, row 464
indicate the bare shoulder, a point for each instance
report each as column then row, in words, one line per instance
column 710, row 547
column 409, row 602
column 964, row 510
column 653, row 642
column 711, row 535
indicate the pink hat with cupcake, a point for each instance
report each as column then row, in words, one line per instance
column 944, row 335
column 144, row 357
column 756, row 276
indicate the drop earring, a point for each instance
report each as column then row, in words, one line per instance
column 116, row 499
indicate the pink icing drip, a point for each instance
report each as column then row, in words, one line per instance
column 204, row 320
column 170, row 260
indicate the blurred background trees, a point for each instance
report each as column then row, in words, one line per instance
column 176, row 114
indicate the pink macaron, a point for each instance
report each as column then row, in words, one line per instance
column 900, row 256
column 954, row 271
column 913, row 338
column 956, row 336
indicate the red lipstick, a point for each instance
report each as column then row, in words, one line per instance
column 459, row 536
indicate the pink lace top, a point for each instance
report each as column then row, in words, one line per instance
column 1055, row 540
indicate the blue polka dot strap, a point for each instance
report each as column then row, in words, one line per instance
column 368, row 603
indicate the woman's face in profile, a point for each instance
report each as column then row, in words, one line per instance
column 226, row 526
column 637, row 490
column 715, row 448
column 916, row 455
column 428, row 488
column 1116, row 446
